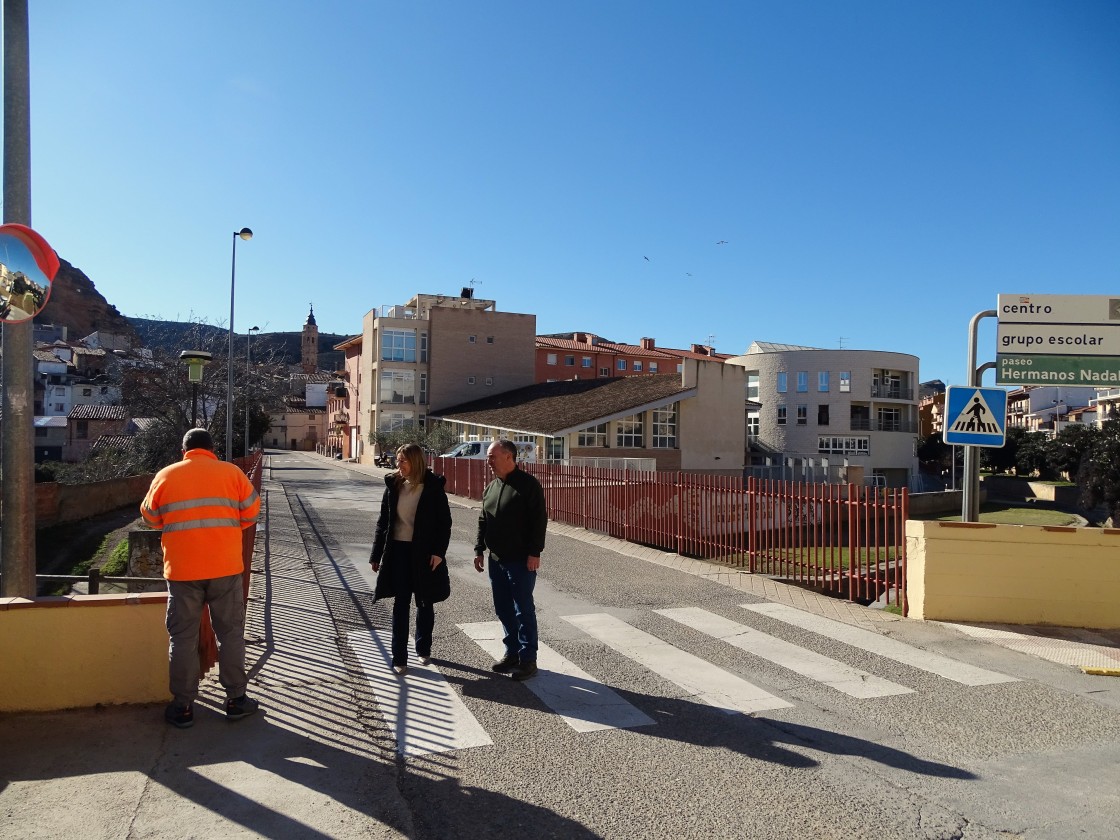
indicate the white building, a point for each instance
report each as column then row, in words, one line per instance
column 841, row 415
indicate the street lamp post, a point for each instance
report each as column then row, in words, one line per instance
column 245, row 234
column 196, row 360
column 248, row 361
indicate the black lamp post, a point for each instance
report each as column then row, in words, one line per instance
column 245, row 234
column 248, row 358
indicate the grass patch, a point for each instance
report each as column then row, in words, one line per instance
column 116, row 563
column 999, row 514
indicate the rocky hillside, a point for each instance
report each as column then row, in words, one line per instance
column 75, row 303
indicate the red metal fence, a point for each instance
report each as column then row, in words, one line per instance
column 837, row 537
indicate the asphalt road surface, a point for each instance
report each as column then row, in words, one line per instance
column 671, row 706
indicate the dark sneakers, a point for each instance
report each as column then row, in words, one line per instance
column 240, row 707
column 506, row 664
column 524, row 671
column 179, row 716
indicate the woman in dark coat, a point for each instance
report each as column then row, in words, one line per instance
column 410, row 550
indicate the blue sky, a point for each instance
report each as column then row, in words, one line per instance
column 880, row 171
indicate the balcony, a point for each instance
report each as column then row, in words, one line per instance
column 892, row 392
column 340, row 418
column 865, row 424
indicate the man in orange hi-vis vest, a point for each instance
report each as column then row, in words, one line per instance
column 202, row 504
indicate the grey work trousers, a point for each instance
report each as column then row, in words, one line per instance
column 185, row 600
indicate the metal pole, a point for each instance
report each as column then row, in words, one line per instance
column 17, row 462
column 970, row 497
column 194, row 405
column 248, row 361
column 229, row 360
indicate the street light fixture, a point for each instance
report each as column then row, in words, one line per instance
column 196, row 360
column 245, row 234
column 248, row 358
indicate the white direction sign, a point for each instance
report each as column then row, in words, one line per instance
column 1058, row 340
column 1059, row 309
column 975, row 416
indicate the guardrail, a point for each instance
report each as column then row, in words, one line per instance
column 839, row 538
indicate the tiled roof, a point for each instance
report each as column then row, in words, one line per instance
column 56, row 422
column 97, row 412
column 774, row 347
column 556, row 407
column 689, row 354
column 121, row 442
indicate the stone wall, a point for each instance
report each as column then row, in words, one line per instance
column 57, row 503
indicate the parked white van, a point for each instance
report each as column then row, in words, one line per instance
column 526, row 452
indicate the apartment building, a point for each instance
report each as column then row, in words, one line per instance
column 852, row 409
column 344, row 429
column 1046, row 408
column 436, row 351
column 584, row 355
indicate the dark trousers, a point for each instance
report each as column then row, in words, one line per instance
column 225, row 596
column 402, row 604
column 512, row 585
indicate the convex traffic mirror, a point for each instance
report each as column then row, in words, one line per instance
column 27, row 269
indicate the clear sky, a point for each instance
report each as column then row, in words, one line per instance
column 879, row 169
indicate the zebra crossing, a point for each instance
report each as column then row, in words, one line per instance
column 428, row 716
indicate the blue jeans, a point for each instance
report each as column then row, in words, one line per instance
column 402, row 605
column 512, row 585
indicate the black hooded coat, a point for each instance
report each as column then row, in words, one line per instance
column 431, row 535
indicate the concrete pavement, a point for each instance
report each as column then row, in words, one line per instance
column 311, row 764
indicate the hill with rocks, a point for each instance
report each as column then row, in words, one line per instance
column 77, row 305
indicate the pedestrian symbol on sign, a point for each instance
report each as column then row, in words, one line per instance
column 975, row 416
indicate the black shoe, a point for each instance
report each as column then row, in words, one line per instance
column 525, row 671
column 239, row 707
column 506, row 664
column 180, row 716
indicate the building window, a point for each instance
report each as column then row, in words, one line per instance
column 592, row 436
column 489, row 380
column 822, row 380
column 569, row 361
column 783, row 382
column 621, row 364
column 665, row 427
column 754, row 424
column 630, row 433
column 822, row 415
column 890, row 420
column 489, row 339
column 391, row 421
column 680, row 367
column 803, row 415
column 752, row 385
column 550, row 359
column 424, row 347
column 843, row 445
column 470, row 380
column 781, row 415
column 653, row 367
column 845, row 381
column 423, row 389
column 802, row 381
column 471, row 339
column 604, row 372
column 398, row 386
column 637, row 366
column 398, row 346
column 82, row 430
column 585, row 362
column 87, row 392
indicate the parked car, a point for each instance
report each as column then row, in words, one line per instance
column 526, row 452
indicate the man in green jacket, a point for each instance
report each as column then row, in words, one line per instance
column 512, row 525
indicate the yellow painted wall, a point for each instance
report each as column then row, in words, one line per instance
column 81, row 650
column 1013, row 574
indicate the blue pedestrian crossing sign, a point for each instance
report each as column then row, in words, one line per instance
column 975, row 416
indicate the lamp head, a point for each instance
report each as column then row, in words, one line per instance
column 244, row 233
column 254, row 329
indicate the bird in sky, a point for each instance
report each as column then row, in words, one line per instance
column 687, row 274
column 722, row 242
column 646, row 259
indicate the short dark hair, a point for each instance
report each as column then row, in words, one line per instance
column 198, row 439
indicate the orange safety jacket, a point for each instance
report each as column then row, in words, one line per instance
column 201, row 504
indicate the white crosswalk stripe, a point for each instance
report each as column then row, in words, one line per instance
column 704, row 681
column 888, row 648
column 582, row 701
column 421, row 709
column 844, row 678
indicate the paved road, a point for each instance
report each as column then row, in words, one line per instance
column 672, row 706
